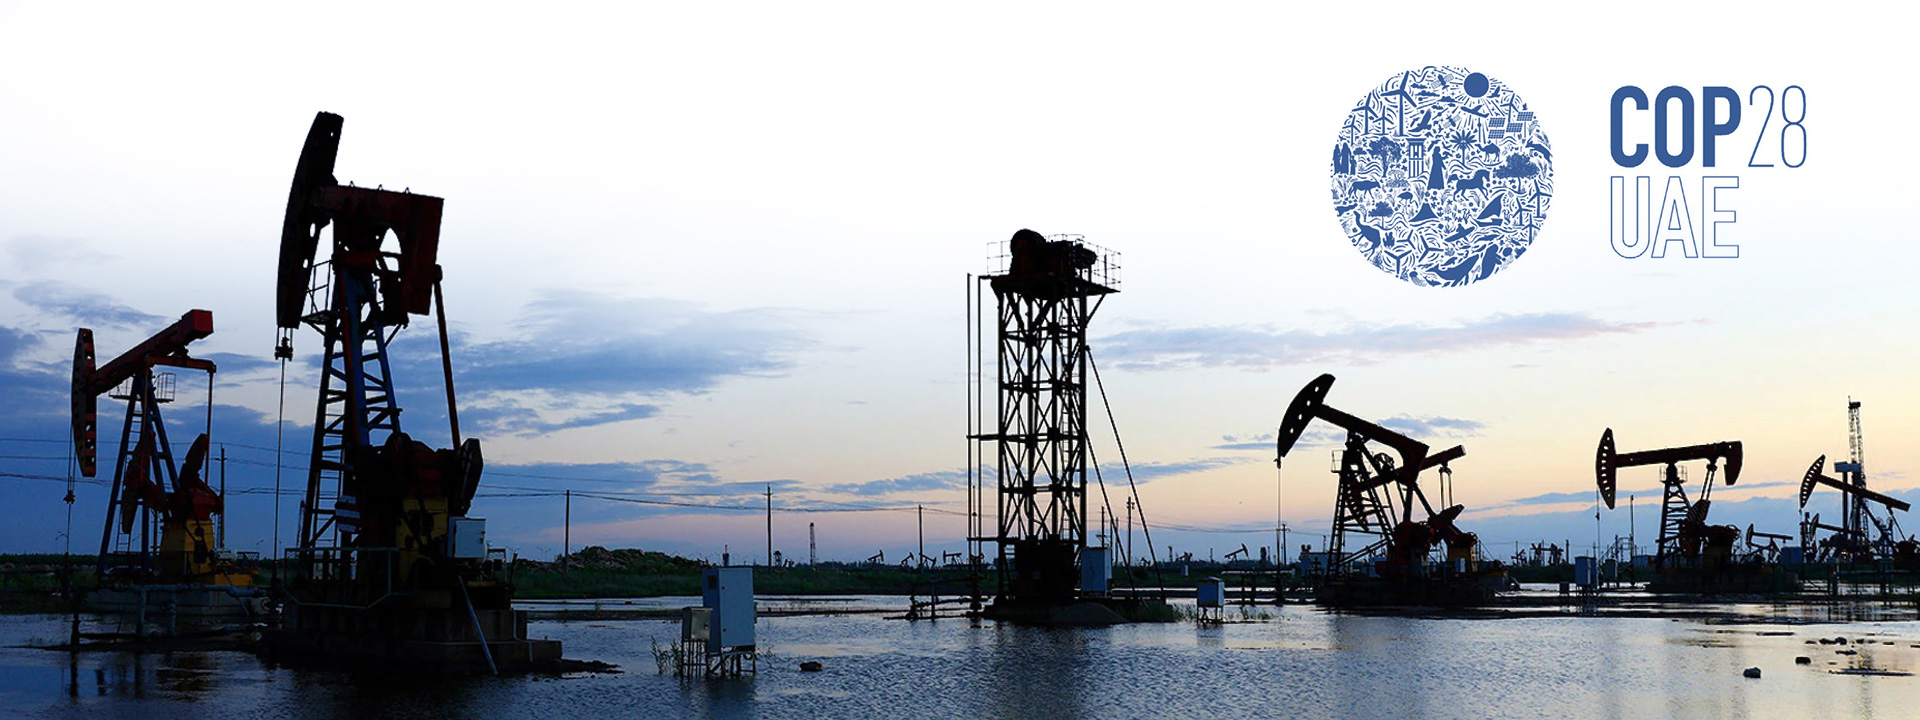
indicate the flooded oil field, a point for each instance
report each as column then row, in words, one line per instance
column 1625, row 661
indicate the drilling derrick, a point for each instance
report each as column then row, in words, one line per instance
column 1855, row 469
column 389, row 568
column 1046, row 295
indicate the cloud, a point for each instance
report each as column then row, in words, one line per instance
column 13, row 342
column 1554, row 497
column 917, row 482
column 1432, row 426
column 543, row 413
column 32, row 253
column 235, row 363
column 1319, row 435
column 1112, row 472
column 1262, row 348
column 1115, row 474
column 601, row 477
column 579, row 359
column 577, row 341
column 85, row 308
column 1620, row 498
column 1262, row 441
column 35, row 390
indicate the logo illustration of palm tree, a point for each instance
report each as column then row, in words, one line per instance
column 1461, row 141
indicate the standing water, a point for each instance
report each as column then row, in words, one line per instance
column 1264, row 662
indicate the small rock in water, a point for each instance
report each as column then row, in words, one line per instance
column 1752, row 672
column 1846, row 652
column 1839, row 641
column 811, row 666
column 1803, row 660
column 1824, row 641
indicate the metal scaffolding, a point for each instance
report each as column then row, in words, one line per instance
column 1047, row 290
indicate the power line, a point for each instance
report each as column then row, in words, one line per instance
column 57, row 478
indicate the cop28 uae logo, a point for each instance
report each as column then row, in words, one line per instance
column 1442, row 176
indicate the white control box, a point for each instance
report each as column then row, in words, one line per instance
column 467, row 538
column 728, row 593
column 1096, row 569
column 1211, row 593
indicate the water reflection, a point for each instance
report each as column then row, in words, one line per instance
column 1300, row 663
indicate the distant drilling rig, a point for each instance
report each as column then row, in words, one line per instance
column 390, row 570
column 1863, row 535
column 1046, row 295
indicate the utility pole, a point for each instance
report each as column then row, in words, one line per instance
column 920, row 515
column 220, row 531
column 1279, row 513
column 566, row 542
column 812, row 548
column 1130, row 557
column 769, row 526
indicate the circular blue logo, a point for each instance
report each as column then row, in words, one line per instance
column 1442, row 176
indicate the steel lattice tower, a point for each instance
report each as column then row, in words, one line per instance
column 1046, row 296
column 1857, row 470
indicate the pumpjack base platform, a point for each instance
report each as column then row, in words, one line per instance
column 433, row 641
column 1089, row 612
column 1725, row 581
column 1458, row 591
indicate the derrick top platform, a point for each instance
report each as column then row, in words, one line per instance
column 1053, row 267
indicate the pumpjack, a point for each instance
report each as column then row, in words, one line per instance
column 1770, row 550
column 165, row 540
column 1692, row 556
column 1376, row 504
column 1854, row 543
column 389, row 569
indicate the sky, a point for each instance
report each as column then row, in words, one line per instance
column 696, row 252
